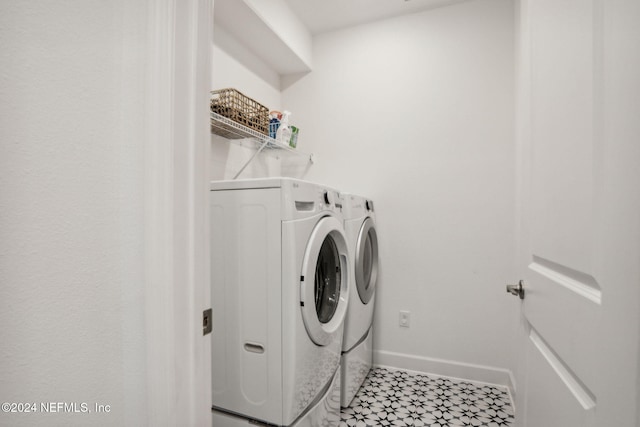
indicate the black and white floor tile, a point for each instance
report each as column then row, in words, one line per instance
column 392, row 397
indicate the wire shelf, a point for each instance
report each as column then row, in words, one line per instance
column 231, row 130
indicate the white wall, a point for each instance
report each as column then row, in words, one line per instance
column 289, row 28
column 417, row 112
column 235, row 66
column 71, row 299
column 103, row 113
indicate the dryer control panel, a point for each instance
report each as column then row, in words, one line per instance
column 302, row 199
column 369, row 205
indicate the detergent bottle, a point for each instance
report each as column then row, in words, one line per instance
column 283, row 135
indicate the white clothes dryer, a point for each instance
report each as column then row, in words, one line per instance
column 362, row 239
column 279, row 288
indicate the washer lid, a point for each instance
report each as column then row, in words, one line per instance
column 324, row 281
column 366, row 264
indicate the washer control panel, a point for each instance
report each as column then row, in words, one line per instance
column 309, row 198
column 331, row 200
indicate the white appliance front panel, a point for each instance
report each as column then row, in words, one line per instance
column 355, row 366
column 359, row 316
column 307, row 367
column 246, row 302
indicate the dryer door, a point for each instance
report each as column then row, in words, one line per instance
column 324, row 281
column 366, row 264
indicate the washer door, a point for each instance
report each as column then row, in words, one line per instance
column 366, row 261
column 324, row 283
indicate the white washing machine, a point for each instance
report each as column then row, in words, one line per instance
column 280, row 287
column 362, row 239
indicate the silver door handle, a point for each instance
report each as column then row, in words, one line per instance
column 517, row 290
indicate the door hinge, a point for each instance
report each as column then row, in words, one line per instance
column 207, row 322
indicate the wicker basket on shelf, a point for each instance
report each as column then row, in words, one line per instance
column 243, row 110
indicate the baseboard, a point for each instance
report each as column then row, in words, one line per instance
column 446, row 368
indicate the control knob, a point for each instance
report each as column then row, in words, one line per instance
column 328, row 198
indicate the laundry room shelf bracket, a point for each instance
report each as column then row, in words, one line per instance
column 234, row 131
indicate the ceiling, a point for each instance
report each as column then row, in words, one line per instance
column 321, row 16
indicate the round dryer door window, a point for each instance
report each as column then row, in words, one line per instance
column 324, row 281
column 366, row 261
column 328, row 280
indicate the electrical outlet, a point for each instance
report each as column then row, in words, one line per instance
column 405, row 318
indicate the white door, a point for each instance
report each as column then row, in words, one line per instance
column 579, row 241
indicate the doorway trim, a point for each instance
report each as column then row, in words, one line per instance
column 177, row 75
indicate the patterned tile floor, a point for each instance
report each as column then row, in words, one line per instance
column 391, row 397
